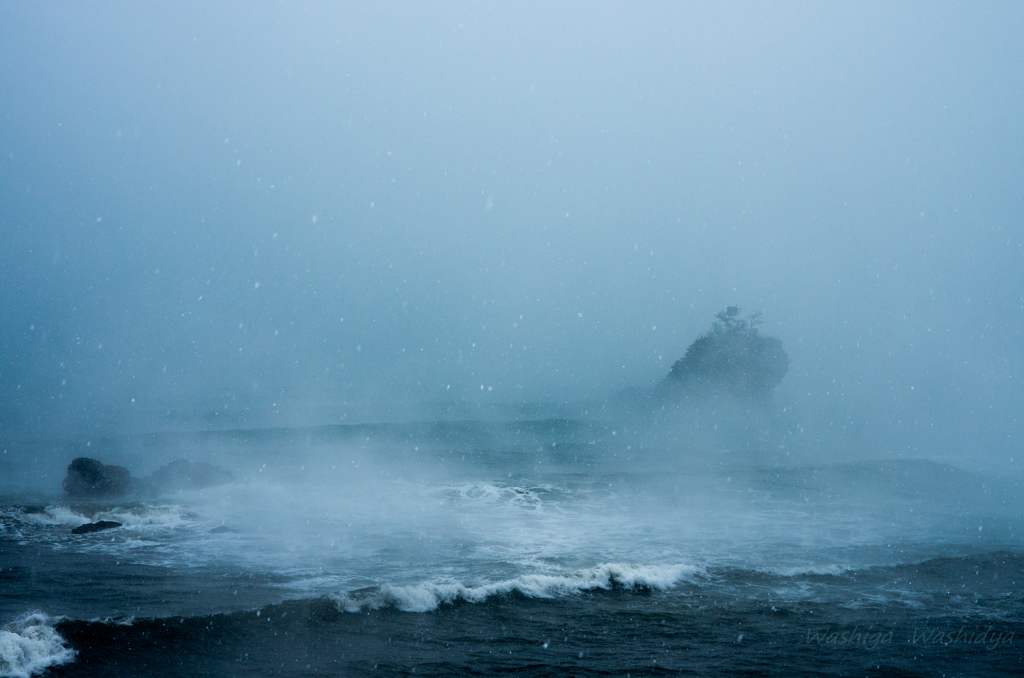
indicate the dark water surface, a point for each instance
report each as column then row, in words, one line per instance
column 726, row 624
column 557, row 548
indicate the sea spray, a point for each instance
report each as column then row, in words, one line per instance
column 30, row 645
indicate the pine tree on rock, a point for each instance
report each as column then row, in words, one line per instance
column 732, row 357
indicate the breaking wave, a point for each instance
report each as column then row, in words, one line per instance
column 130, row 516
column 30, row 645
column 430, row 595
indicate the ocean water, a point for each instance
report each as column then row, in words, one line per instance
column 548, row 547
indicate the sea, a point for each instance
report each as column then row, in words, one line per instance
column 566, row 546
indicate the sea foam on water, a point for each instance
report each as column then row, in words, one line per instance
column 29, row 645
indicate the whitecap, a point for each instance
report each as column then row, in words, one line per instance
column 428, row 596
column 131, row 516
column 30, row 645
column 813, row 569
column 54, row 515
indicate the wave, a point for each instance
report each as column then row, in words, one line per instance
column 800, row 570
column 130, row 516
column 488, row 493
column 30, row 645
column 428, row 596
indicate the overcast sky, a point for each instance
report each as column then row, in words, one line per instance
column 378, row 202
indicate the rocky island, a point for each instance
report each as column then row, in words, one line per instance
column 90, row 479
column 733, row 358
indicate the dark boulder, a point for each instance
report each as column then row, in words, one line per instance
column 98, row 526
column 90, row 479
column 186, row 475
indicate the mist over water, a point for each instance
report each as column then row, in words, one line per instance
column 415, row 275
column 270, row 210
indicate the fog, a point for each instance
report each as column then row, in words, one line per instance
column 256, row 215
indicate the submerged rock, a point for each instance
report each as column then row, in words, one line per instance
column 98, row 526
column 222, row 529
column 90, row 479
column 186, row 475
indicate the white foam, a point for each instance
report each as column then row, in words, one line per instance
column 30, row 645
column 429, row 595
column 487, row 493
column 800, row 570
column 166, row 516
column 131, row 516
column 54, row 515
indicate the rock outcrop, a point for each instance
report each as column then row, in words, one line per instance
column 98, row 526
column 733, row 358
column 187, row 475
column 90, row 479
